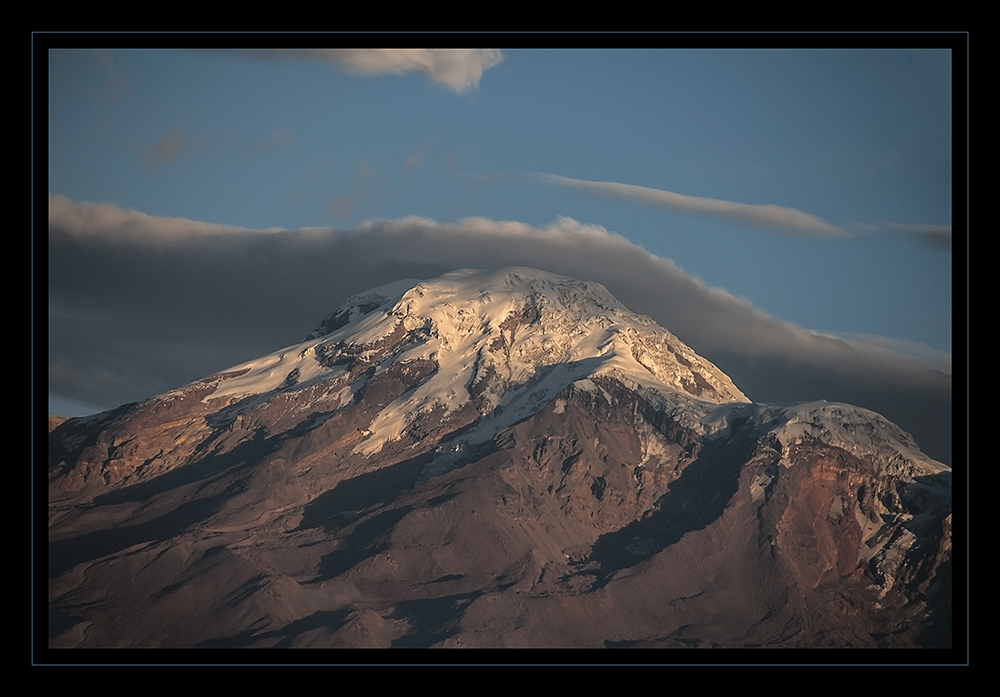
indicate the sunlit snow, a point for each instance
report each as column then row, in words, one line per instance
column 525, row 335
column 570, row 330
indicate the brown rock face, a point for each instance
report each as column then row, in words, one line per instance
column 598, row 521
column 609, row 514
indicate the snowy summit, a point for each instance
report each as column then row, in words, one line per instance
column 489, row 334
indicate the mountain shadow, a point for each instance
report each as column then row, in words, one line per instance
column 692, row 502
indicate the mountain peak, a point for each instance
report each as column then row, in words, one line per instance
column 502, row 341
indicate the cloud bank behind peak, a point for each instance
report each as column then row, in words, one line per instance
column 142, row 304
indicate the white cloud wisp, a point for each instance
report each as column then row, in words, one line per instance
column 765, row 216
column 458, row 69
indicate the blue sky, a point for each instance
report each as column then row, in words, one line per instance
column 813, row 186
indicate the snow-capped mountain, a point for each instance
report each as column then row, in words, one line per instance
column 504, row 342
column 439, row 460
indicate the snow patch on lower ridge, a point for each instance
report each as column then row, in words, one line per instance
column 859, row 431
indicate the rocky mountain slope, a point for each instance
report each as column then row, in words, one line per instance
column 492, row 459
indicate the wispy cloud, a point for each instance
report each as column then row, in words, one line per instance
column 112, row 224
column 179, row 299
column 179, row 141
column 304, row 189
column 415, row 159
column 367, row 186
column 765, row 216
column 458, row 69
column 165, row 150
column 170, row 146
column 271, row 143
column 938, row 236
column 934, row 235
column 939, row 360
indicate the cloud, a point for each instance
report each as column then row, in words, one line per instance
column 165, row 150
column 272, row 143
column 938, row 236
column 933, row 358
column 768, row 217
column 458, row 69
column 171, row 145
column 415, row 159
column 366, row 187
column 107, row 223
column 342, row 206
column 178, row 142
column 140, row 304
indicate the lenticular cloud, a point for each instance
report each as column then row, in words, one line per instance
column 765, row 216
